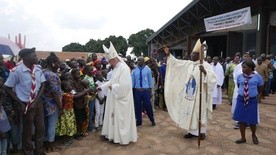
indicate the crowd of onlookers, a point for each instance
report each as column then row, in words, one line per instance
column 81, row 109
column 264, row 65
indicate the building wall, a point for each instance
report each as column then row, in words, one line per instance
column 66, row 55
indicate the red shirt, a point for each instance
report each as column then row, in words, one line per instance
column 10, row 64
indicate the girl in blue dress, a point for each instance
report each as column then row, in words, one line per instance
column 246, row 111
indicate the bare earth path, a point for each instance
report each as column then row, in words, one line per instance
column 165, row 138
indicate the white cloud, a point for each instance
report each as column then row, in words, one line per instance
column 52, row 24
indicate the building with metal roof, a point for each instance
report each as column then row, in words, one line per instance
column 182, row 31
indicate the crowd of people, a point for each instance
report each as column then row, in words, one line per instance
column 48, row 99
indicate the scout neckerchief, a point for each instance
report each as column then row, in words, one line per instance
column 32, row 93
column 246, row 91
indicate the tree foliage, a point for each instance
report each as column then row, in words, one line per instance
column 73, row 47
column 94, row 46
column 120, row 44
column 138, row 42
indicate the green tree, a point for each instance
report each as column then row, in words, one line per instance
column 94, row 46
column 120, row 43
column 73, row 47
column 138, row 42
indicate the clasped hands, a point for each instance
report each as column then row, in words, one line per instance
column 100, row 89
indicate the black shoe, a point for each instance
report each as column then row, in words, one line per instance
column 153, row 124
column 103, row 138
column 255, row 140
column 112, row 142
column 214, row 106
column 239, row 141
column 189, row 136
column 138, row 124
column 202, row 136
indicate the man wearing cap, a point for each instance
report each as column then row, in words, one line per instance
column 119, row 119
column 182, row 84
column 26, row 84
column 142, row 85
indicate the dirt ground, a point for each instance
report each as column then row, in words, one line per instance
column 166, row 138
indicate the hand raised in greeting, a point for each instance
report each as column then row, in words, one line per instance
column 166, row 49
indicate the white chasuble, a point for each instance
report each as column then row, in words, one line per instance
column 182, row 85
column 119, row 119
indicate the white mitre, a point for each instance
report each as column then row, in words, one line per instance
column 111, row 53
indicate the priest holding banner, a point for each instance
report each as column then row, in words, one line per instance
column 182, row 92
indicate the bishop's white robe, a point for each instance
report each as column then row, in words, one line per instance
column 119, row 119
column 182, row 84
column 217, row 92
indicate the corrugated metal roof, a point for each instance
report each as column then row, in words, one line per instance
column 191, row 4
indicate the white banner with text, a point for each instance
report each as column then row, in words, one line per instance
column 228, row 20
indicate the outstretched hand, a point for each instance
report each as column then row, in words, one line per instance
column 98, row 89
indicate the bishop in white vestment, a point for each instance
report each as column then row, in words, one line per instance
column 182, row 84
column 119, row 123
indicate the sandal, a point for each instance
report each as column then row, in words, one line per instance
column 52, row 148
column 84, row 134
column 239, row 141
column 56, row 149
column 255, row 140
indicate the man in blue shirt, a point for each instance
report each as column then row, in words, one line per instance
column 142, row 85
column 28, row 82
